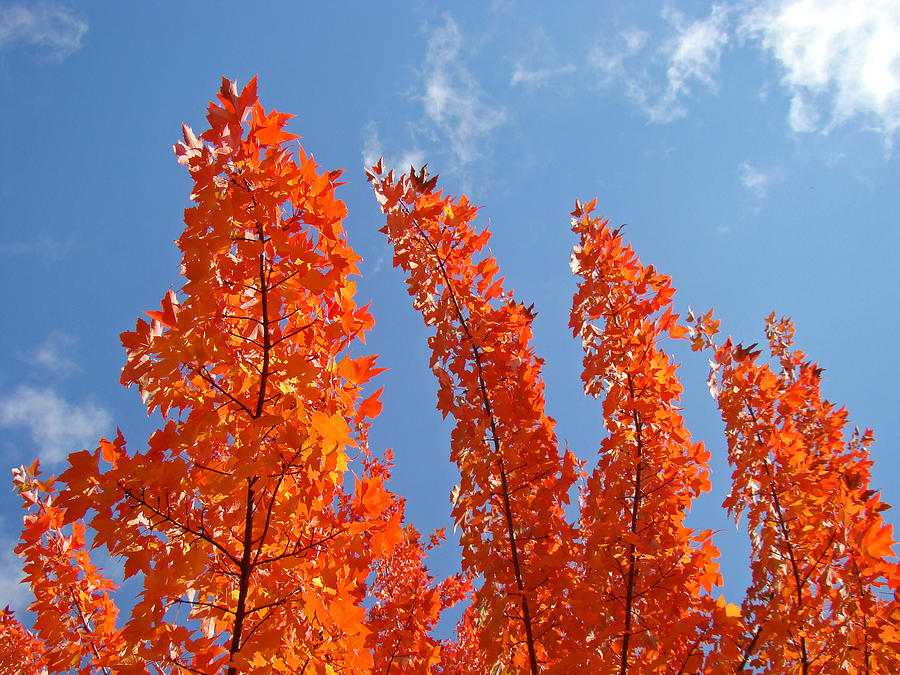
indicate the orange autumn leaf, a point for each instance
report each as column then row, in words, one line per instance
column 371, row 406
column 878, row 540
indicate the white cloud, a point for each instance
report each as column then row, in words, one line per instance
column 453, row 100
column 695, row 51
column 538, row 77
column 691, row 55
column 539, row 64
column 841, row 59
column 635, row 39
column 49, row 26
column 371, row 144
column 754, row 180
column 55, row 354
column 45, row 246
column 611, row 64
column 372, row 150
column 56, row 426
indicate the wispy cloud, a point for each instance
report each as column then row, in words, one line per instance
column 454, row 103
column 55, row 354
column 372, row 150
column 690, row 56
column 539, row 65
column 610, row 64
column 56, row 426
column 538, row 77
column 48, row 26
column 693, row 56
column 754, row 180
column 44, row 246
column 841, row 59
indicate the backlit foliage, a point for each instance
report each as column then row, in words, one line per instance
column 260, row 524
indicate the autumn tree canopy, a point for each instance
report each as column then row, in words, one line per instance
column 262, row 525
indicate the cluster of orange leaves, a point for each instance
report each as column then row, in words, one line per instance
column 637, row 553
column 824, row 592
column 261, row 526
column 510, row 504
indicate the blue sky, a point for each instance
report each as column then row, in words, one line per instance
column 750, row 146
